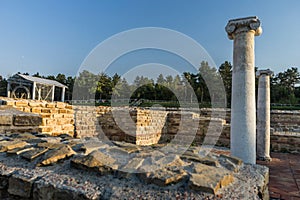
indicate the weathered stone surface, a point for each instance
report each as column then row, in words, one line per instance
column 50, row 145
column 89, row 147
column 204, row 160
column 209, row 179
column 33, row 153
column 27, row 120
column 18, row 151
column 95, row 161
column 133, row 165
column 4, row 177
column 231, row 163
column 164, row 177
column 6, row 119
column 9, row 145
column 57, row 154
column 20, row 185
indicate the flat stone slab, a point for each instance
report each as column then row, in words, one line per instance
column 9, row 145
column 33, row 153
column 57, row 154
column 209, row 179
column 95, row 161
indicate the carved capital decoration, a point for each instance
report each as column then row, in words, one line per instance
column 267, row 72
column 236, row 26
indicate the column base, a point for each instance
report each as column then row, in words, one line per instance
column 268, row 159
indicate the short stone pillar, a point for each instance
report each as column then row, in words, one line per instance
column 243, row 115
column 263, row 115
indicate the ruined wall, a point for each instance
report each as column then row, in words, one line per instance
column 146, row 126
column 15, row 121
column 285, row 131
column 219, row 131
column 143, row 127
column 57, row 117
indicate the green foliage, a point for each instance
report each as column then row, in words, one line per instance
column 169, row 91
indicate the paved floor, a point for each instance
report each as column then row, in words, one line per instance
column 284, row 176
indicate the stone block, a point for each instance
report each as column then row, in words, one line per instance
column 33, row 153
column 57, row 154
column 34, row 104
column 9, row 145
column 50, row 105
column 27, row 120
column 6, row 119
column 37, row 110
column 21, row 103
column 60, row 105
column 95, row 161
column 20, row 185
column 45, row 129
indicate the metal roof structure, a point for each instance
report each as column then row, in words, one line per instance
column 42, row 81
column 24, row 86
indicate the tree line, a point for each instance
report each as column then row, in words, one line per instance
column 191, row 87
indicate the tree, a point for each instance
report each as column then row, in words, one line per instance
column 225, row 71
column 283, row 86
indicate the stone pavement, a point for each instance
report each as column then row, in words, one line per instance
column 284, row 176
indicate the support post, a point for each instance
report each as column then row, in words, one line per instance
column 53, row 92
column 243, row 115
column 63, row 94
column 263, row 115
column 33, row 90
column 8, row 90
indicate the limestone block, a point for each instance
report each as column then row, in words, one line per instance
column 95, row 161
column 21, row 103
column 27, row 120
column 60, row 105
column 209, row 179
column 57, row 154
column 26, row 109
column 34, row 104
column 45, row 129
column 9, row 145
column 6, row 119
column 33, row 153
column 20, row 185
column 37, row 110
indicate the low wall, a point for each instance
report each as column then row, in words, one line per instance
column 57, row 117
column 146, row 126
column 15, row 121
column 142, row 127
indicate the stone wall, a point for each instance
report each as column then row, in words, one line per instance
column 57, row 117
column 144, row 126
column 219, row 131
column 15, row 121
column 139, row 126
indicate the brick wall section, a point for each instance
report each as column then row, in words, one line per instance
column 150, row 126
column 219, row 131
column 15, row 121
column 139, row 126
column 57, row 117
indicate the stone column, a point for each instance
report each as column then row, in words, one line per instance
column 263, row 115
column 63, row 94
column 8, row 90
column 243, row 115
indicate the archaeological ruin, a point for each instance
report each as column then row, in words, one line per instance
column 54, row 150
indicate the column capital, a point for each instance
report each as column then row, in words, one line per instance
column 264, row 71
column 236, row 26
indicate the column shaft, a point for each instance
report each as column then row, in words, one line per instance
column 263, row 115
column 243, row 122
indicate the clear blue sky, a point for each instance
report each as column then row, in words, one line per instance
column 54, row 36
